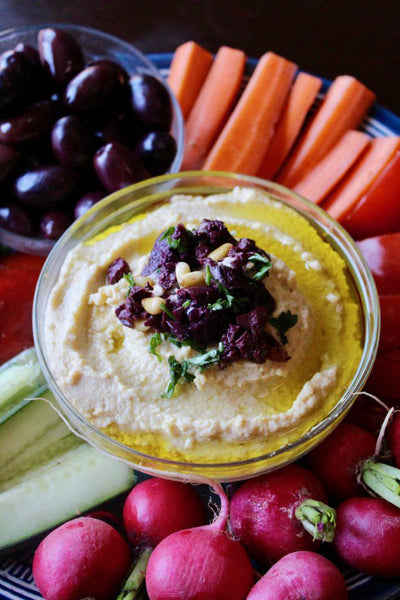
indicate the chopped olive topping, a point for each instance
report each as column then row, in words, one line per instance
column 222, row 314
column 117, row 269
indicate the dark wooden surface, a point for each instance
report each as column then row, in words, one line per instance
column 326, row 37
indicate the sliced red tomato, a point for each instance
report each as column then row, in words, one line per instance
column 384, row 380
column 18, row 277
column 378, row 211
column 390, row 322
column 382, row 254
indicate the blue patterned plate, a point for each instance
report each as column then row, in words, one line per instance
column 16, row 582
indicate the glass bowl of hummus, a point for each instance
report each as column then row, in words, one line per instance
column 205, row 325
column 96, row 45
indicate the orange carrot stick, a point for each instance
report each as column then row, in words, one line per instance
column 300, row 99
column 318, row 182
column 213, row 105
column 189, row 67
column 362, row 175
column 243, row 141
column 346, row 104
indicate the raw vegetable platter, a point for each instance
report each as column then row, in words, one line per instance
column 16, row 580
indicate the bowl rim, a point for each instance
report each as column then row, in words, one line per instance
column 371, row 321
column 83, row 29
column 42, row 246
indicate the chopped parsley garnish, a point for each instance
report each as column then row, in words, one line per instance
column 283, row 323
column 158, row 338
column 165, row 309
column 220, row 304
column 208, row 358
column 227, row 300
column 262, row 264
column 130, row 280
column 179, row 244
column 208, row 276
column 179, row 343
column 235, row 288
column 180, row 371
column 155, row 341
column 167, row 233
column 177, row 372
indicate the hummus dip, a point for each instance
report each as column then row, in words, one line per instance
column 244, row 410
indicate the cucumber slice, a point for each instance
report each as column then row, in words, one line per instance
column 27, row 434
column 79, row 480
column 20, row 378
column 47, row 474
column 19, row 470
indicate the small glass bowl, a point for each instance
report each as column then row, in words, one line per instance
column 147, row 195
column 95, row 45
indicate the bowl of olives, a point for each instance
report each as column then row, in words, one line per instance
column 82, row 114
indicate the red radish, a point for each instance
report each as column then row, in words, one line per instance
column 266, row 513
column 367, row 413
column 368, row 536
column 379, row 478
column 155, row 508
column 394, row 438
column 301, row 575
column 384, row 379
column 336, row 459
column 200, row 563
column 108, row 517
column 80, row 559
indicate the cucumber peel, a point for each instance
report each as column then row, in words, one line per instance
column 74, row 483
column 33, row 430
column 20, row 378
column 47, row 474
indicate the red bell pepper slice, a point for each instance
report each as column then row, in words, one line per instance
column 382, row 254
column 384, row 380
column 390, row 322
column 18, row 277
column 378, row 211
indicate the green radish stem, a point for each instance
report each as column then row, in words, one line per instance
column 133, row 585
column 318, row 519
column 381, row 480
column 378, row 478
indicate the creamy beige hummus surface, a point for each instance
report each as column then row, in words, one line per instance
column 109, row 375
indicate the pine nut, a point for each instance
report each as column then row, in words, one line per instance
column 220, row 252
column 140, row 326
column 181, row 268
column 158, row 290
column 143, row 280
column 191, row 279
column 153, row 305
